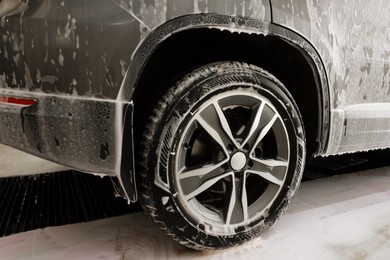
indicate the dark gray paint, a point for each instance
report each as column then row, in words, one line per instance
column 84, row 47
column 71, row 56
column 68, row 47
column 88, row 54
column 75, row 133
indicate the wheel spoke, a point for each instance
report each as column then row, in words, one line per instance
column 237, row 209
column 198, row 187
column 213, row 120
column 263, row 132
column 202, row 171
column 270, row 163
column 267, row 176
column 255, row 123
column 265, row 168
column 196, row 181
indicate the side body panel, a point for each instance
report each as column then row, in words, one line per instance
column 75, row 58
column 154, row 13
column 71, row 56
column 83, row 48
column 353, row 39
column 71, row 47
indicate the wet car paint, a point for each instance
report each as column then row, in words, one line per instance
column 66, row 47
column 353, row 39
column 50, row 38
column 62, row 54
column 81, row 59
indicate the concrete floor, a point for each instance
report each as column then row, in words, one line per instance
column 341, row 217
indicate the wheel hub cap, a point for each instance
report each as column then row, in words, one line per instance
column 238, row 161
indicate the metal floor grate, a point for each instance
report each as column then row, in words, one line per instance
column 39, row 201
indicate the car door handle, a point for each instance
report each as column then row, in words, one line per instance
column 11, row 7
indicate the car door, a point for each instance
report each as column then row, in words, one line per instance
column 353, row 39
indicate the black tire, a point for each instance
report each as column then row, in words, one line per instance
column 222, row 156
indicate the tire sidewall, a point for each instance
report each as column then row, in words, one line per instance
column 186, row 97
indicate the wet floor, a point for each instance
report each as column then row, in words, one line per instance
column 339, row 217
column 342, row 211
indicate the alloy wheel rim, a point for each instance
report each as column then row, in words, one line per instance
column 231, row 161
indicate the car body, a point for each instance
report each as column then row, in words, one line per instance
column 75, row 75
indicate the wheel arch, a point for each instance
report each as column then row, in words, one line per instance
column 191, row 41
column 194, row 40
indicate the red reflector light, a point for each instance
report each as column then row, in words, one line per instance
column 18, row 101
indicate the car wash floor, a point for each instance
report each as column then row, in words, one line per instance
column 342, row 211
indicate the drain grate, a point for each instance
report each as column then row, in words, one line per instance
column 39, row 201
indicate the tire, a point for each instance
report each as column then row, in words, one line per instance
column 222, row 156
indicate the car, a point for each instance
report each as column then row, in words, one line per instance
column 205, row 111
